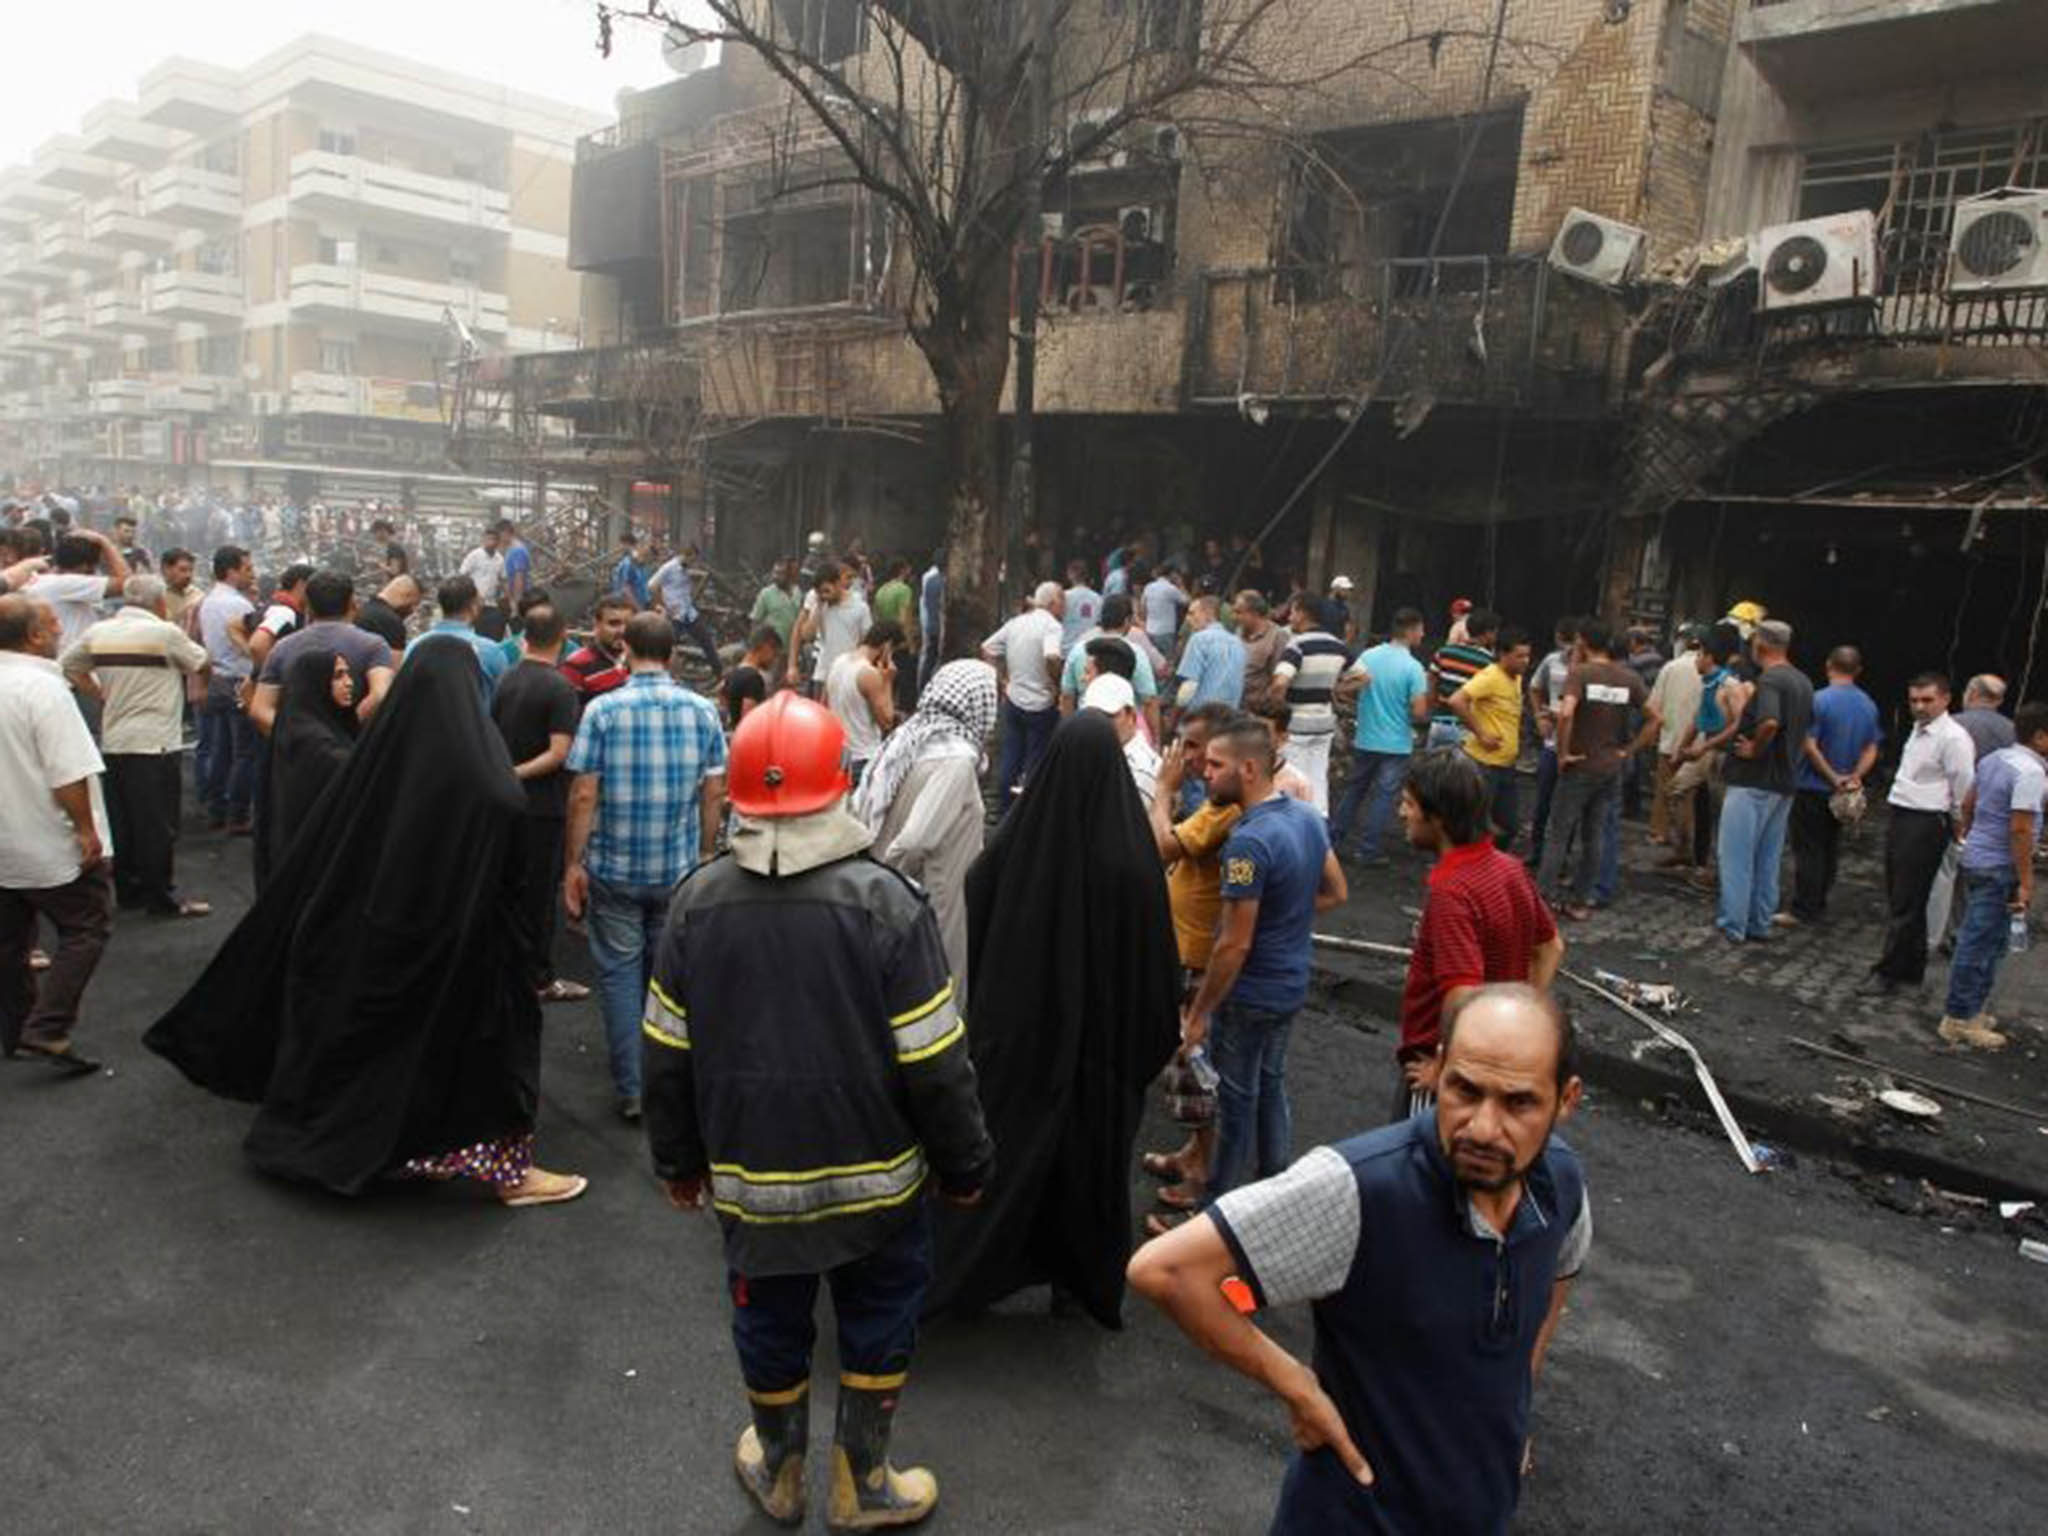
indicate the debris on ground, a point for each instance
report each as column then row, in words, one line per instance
column 2033, row 1248
column 1663, row 996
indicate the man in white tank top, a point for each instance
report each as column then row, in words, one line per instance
column 860, row 690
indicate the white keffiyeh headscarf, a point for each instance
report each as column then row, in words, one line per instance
column 958, row 704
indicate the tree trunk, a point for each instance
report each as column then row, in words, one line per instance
column 968, row 347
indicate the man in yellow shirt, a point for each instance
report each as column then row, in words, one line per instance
column 1491, row 707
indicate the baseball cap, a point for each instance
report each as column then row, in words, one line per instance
column 1340, row 584
column 1747, row 612
column 1110, row 694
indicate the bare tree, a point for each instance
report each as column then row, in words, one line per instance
column 955, row 114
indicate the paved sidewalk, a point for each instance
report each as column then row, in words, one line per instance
column 1747, row 1000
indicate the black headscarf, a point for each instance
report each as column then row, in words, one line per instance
column 375, row 1002
column 1075, row 1008
column 309, row 742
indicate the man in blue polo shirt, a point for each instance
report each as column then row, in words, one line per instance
column 459, row 604
column 1838, row 756
column 1437, row 1253
column 1395, row 700
column 1211, row 667
column 1278, row 873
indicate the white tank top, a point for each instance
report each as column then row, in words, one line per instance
column 843, row 698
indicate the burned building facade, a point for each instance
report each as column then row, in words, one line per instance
column 1489, row 309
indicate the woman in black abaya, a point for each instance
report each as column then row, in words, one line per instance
column 1074, row 1010
column 375, row 1002
column 315, row 731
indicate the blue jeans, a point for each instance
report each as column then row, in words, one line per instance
column 875, row 1299
column 1582, row 810
column 696, row 628
column 625, row 923
column 1981, row 938
column 1546, row 789
column 1375, row 783
column 1444, row 733
column 228, row 745
column 1607, row 884
column 1025, row 733
column 1753, row 823
column 1248, row 1049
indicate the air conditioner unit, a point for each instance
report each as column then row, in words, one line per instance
column 1084, row 125
column 1832, row 260
column 266, row 402
column 1999, row 243
column 1600, row 250
column 1166, row 142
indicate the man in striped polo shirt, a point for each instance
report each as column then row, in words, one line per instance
column 136, row 663
column 1455, row 664
column 1307, row 679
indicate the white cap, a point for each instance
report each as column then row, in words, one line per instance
column 1340, row 583
column 816, row 541
column 1110, row 694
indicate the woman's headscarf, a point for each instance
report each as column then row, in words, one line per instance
column 309, row 745
column 958, row 703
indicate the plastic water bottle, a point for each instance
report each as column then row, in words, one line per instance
column 2016, row 934
column 1206, row 1076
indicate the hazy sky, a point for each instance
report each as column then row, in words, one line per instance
column 62, row 60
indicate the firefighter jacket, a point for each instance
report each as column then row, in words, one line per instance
column 805, row 1050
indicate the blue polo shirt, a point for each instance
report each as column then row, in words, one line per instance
column 1425, row 1318
column 1275, row 856
column 1844, row 723
column 490, row 654
column 627, row 577
column 1398, row 679
column 1213, row 660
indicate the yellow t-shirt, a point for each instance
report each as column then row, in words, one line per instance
column 1496, row 701
column 1194, row 886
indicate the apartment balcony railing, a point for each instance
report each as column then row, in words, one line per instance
column 1464, row 328
column 399, row 301
column 1723, row 326
column 65, row 320
column 117, row 313
column 352, row 184
column 187, row 95
column 118, row 397
column 339, row 394
column 195, row 295
column 118, row 224
column 66, row 246
column 187, row 194
column 190, row 391
column 115, row 130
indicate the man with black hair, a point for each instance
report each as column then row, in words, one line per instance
column 86, row 570
column 125, row 541
column 385, row 614
column 330, row 630
column 861, row 690
column 1546, row 692
column 1115, row 626
column 1593, row 749
column 535, row 710
column 747, row 686
column 1455, row 664
column 1306, row 679
column 1490, row 707
column 1482, row 919
column 1937, row 768
column 2001, row 828
column 459, row 604
column 599, row 667
column 225, row 765
column 1393, row 699
column 1438, row 1253
column 1761, row 773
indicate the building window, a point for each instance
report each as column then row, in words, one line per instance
column 217, row 257
column 825, row 31
column 220, row 356
column 1913, row 185
column 337, row 357
column 335, row 142
column 462, row 269
column 1363, row 198
column 223, row 156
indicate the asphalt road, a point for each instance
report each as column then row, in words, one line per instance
column 190, row 1347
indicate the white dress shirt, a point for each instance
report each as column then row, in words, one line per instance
column 140, row 662
column 1936, row 769
column 1024, row 646
column 44, row 745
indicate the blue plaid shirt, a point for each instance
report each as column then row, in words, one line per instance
column 652, row 745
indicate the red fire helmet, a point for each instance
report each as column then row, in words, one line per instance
column 788, row 759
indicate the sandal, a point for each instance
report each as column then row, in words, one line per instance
column 562, row 990
column 540, row 1187
column 1161, row 1165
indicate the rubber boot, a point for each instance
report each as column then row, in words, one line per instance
column 770, row 1455
column 867, row 1493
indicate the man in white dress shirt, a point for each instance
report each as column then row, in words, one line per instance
column 1936, row 769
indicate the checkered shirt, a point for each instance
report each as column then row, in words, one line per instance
column 652, row 745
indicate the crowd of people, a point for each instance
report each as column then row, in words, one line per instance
column 843, row 963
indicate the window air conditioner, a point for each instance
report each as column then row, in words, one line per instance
column 1999, row 243
column 1831, row 260
column 1602, row 251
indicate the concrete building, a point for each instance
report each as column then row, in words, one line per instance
column 253, row 279
column 1535, row 409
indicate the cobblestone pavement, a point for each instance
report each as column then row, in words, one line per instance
column 1746, row 1000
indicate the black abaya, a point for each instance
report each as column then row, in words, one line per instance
column 376, row 1001
column 309, row 743
column 1075, row 1008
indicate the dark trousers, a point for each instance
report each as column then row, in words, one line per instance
column 1816, row 853
column 1912, row 856
column 230, row 748
column 927, row 661
column 1546, row 789
column 1025, row 733
column 1504, row 790
column 1582, row 810
column 695, row 628
column 82, row 912
column 540, row 885
column 876, row 1299
column 142, row 815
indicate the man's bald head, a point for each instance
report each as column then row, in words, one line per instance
column 17, row 622
column 1514, row 1013
column 401, row 594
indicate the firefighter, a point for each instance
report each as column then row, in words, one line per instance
column 807, row 1068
